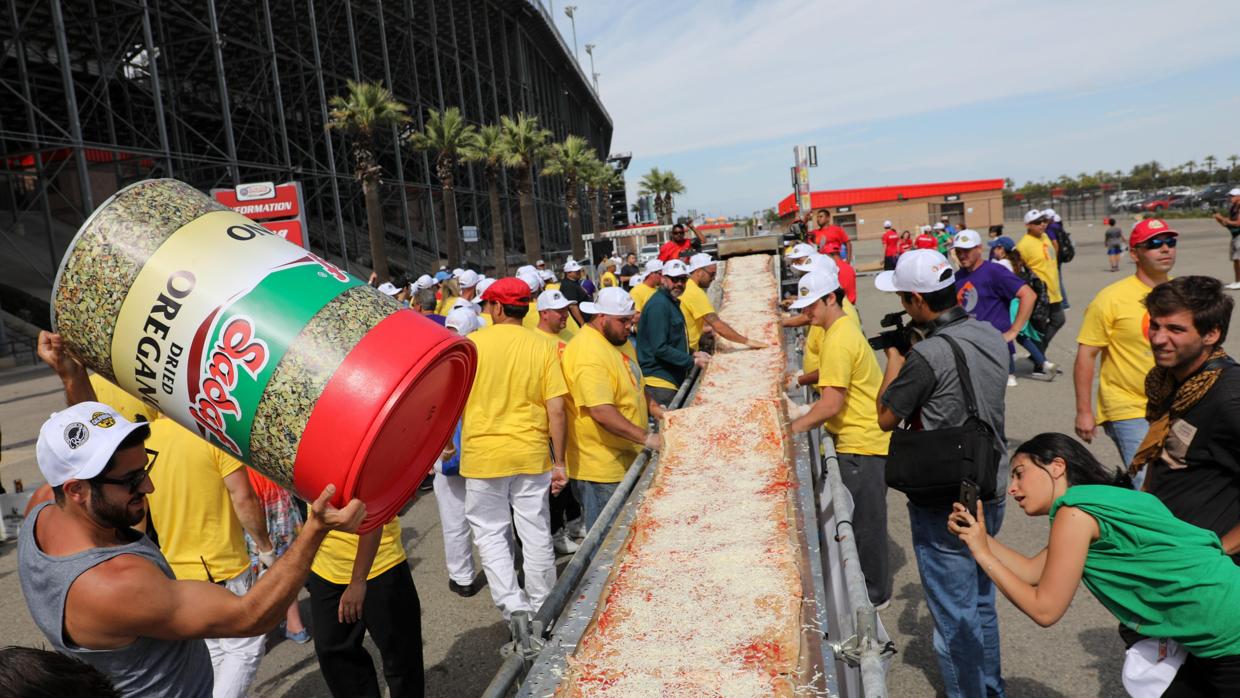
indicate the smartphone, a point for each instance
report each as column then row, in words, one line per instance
column 968, row 495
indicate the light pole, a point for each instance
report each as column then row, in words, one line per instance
column 570, row 10
column 590, row 51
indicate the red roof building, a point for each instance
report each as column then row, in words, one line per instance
column 975, row 204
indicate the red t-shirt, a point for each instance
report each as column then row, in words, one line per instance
column 891, row 243
column 831, row 233
column 848, row 279
column 672, row 250
column 926, row 241
column 905, row 245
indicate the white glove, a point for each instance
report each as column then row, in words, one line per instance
column 654, row 441
column 793, row 383
column 266, row 559
column 796, row 410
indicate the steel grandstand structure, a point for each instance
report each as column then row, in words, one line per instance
column 95, row 94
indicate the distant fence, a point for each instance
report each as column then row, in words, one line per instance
column 1085, row 204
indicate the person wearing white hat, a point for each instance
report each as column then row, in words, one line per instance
column 540, row 265
column 946, row 220
column 570, row 286
column 649, row 281
column 1041, row 255
column 986, row 291
column 553, row 319
column 608, row 411
column 924, row 383
column 925, row 239
column 810, row 355
column 1232, row 223
column 662, row 339
column 942, row 237
column 848, row 385
column 608, row 278
column 534, row 279
column 553, row 316
column 799, row 252
column 891, row 246
column 449, row 291
column 699, row 312
column 548, row 279
column 104, row 593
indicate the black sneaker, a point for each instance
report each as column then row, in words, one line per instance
column 465, row 591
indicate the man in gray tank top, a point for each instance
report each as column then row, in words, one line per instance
column 102, row 592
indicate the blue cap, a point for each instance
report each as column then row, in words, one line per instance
column 1003, row 241
column 443, row 275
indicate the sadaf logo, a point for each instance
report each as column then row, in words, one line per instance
column 257, row 190
column 238, row 349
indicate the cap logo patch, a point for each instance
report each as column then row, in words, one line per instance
column 804, row 291
column 103, row 420
column 76, row 434
column 1155, row 225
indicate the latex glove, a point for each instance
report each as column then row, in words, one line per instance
column 266, row 559
column 654, row 441
column 795, row 409
column 793, row 384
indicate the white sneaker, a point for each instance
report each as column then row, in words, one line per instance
column 1011, row 381
column 1050, row 367
column 1233, row 286
column 563, row 544
column 576, row 528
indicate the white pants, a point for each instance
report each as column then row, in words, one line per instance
column 235, row 659
column 487, row 501
column 457, row 549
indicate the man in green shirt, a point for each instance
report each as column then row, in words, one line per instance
column 662, row 340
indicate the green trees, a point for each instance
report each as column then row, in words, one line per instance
column 523, row 142
column 486, row 148
column 571, row 160
column 362, row 114
column 447, row 135
column 662, row 187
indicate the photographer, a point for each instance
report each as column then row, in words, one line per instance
column 922, row 387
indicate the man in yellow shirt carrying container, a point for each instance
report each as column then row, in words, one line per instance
column 1116, row 328
column 849, row 382
column 1040, row 254
column 609, row 411
column 700, row 312
column 515, row 407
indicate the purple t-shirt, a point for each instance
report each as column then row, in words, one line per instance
column 986, row 293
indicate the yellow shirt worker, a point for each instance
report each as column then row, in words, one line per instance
column 1039, row 254
column 514, row 413
column 608, row 409
column 849, row 379
column 1115, row 333
column 652, row 276
column 699, row 311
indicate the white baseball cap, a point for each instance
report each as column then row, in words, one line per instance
column 462, row 321
column 547, row 276
column 813, row 286
column 388, row 289
column 540, row 263
column 611, row 301
column 701, row 260
column 636, row 280
column 469, row 278
column 1234, row 192
column 820, row 263
column 1032, row 215
column 940, row 226
column 571, row 265
column 467, row 304
column 886, row 224
column 551, row 299
column 531, row 278
column 77, row 442
column 654, row 266
column 967, row 239
column 424, row 282
column 675, row 268
column 456, row 273
column 917, row 271
column 1148, row 671
column 483, row 285
column 802, row 250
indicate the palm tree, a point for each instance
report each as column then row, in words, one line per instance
column 1232, row 159
column 486, row 147
column 600, row 180
column 523, row 141
column 671, row 187
column 1210, row 161
column 651, row 185
column 446, row 134
column 637, row 212
column 571, row 160
column 1191, row 166
column 368, row 110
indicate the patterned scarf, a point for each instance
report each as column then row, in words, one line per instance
column 1168, row 402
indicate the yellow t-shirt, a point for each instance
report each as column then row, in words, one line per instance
column 641, row 293
column 1039, row 256
column 191, row 508
column 445, row 305
column 608, row 279
column 553, row 286
column 813, row 340
column 1117, row 321
column 530, row 321
column 695, row 305
column 599, row 373
column 334, row 561
column 125, row 404
column 557, row 339
column 851, row 365
column 505, row 428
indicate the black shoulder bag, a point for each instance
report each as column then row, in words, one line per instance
column 928, row 465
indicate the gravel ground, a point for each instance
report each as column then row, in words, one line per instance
column 1079, row 656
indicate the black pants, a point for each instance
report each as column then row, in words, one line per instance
column 1057, row 320
column 393, row 616
column 662, row 396
column 889, row 263
column 564, row 508
column 865, row 478
column 1206, row 677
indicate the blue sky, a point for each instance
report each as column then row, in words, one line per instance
column 906, row 91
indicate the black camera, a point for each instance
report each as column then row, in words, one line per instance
column 900, row 336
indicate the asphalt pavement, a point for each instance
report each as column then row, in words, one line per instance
column 1079, row 656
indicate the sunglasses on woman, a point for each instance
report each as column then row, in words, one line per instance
column 1157, row 243
column 134, row 479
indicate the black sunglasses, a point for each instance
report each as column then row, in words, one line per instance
column 1157, row 243
column 134, row 479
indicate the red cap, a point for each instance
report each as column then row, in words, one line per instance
column 830, row 247
column 1148, row 228
column 508, row 291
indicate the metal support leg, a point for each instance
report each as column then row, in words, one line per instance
column 327, row 136
column 75, row 122
column 222, row 84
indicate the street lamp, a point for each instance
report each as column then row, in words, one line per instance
column 596, row 83
column 570, row 10
column 590, row 51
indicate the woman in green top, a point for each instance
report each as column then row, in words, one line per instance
column 1158, row 575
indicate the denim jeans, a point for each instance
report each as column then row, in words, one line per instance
column 1035, row 354
column 593, row 497
column 1127, row 435
column 961, row 599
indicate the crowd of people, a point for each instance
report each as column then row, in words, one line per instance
column 573, row 373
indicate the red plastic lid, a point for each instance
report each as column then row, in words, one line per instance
column 385, row 415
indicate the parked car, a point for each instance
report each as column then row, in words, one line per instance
column 1122, row 200
column 1181, row 190
column 1211, row 196
column 647, row 253
column 1161, row 202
